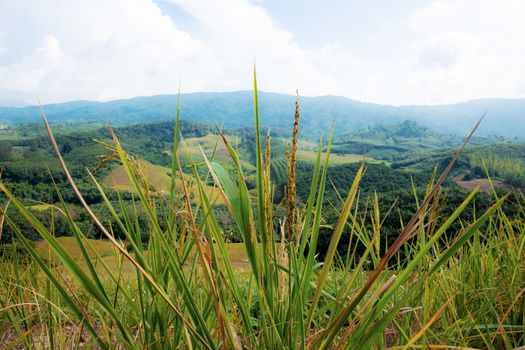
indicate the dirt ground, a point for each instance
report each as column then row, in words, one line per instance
column 484, row 184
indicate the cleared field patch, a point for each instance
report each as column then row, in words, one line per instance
column 484, row 185
column 159, row 177
column 335, row 159
column 212, row 145
column 94, row 246
column 107, row 252
column 307, row 145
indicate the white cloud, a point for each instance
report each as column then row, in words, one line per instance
column 97, row 50
column 3, row 48
column 25, row 75
column 469, row 49
column 61, row 50
column 239, row 32
column 114, row 49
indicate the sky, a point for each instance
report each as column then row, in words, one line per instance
column 381, row 51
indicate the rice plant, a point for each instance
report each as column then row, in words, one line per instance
column 182, row 291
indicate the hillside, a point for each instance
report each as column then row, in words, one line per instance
column 234, row 110
column 172, row 240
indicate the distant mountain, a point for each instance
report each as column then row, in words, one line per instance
column 505, row 117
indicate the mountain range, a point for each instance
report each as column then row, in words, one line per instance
column 504, row 117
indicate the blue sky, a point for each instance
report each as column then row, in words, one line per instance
column 383, row 51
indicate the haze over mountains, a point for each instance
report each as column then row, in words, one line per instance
column 504, row 117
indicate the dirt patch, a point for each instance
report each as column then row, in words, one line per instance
column 485, row 185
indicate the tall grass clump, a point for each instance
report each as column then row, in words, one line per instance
column 182, row 290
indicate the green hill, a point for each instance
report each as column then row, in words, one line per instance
column 234, row 110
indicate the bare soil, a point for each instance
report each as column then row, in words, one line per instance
column 484, row 184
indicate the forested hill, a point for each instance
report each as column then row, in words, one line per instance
column 235, row 109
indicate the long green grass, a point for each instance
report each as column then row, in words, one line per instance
column 433, row 288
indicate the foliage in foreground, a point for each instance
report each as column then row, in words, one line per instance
column 184, row 292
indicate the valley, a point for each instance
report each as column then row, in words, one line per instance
column 385, row 171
